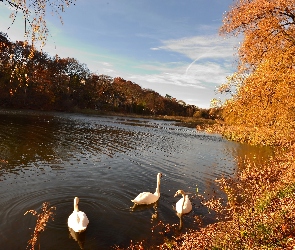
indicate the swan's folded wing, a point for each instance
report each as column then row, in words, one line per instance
column 142, row 197
column 178, row 206
column 187, row 207
column 73, row 220
column 83, row 219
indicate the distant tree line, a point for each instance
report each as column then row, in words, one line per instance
column 32, row 79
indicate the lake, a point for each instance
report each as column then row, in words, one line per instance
column 105, row 161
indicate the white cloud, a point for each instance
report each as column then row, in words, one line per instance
column 199, row 76
column 107, row 71
column 107, row 64
column 212, row 59
column 199, row 47
column 212, row 62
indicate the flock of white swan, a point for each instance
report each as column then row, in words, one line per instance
column 78, row 220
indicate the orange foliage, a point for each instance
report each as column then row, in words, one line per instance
column 264, row 100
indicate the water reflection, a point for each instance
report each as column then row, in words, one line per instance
column 245, row 153
column 78, row 237
column 28, row 139
column 23, row 140
column 105, row 161
column 180, row 221
column 153, row 208
column 155, row 214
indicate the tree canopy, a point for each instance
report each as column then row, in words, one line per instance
column 263, row 106
column 39, row 81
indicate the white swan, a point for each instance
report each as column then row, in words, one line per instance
column 78, row 220
column 184, row 205
column 147, row 197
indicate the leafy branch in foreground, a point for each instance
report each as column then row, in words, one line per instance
column 42, row 219
column 34, row 12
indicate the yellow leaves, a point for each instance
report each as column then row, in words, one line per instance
column 31, row 55
column 265, row 94
column 34, row 12
column 261, row 22
column 36, row 28
column 215, row 103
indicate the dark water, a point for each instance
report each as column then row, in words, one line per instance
column 106, row 161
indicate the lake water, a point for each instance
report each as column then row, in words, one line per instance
column 106, row 162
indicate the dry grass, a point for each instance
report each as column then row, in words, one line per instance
column 42, row 219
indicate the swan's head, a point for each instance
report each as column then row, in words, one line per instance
column 159, row 175
column 179, row 192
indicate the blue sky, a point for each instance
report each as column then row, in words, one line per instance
column 169, row 46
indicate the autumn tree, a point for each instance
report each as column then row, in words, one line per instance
column 38, row 81
column 33, row 12
column 262, row 108
column 5, row 58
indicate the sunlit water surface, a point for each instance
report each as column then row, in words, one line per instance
column 106, row 161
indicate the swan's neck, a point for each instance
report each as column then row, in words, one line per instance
column 76, row 209
column 158, row 187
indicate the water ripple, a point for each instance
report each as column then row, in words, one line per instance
column 106, row 162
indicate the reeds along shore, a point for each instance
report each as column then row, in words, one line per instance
column 43, row 217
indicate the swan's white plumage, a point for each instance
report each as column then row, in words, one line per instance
column 184, row 205
column 78, row 220
column 147, row 197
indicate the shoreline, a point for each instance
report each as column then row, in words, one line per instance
column 183, row 121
